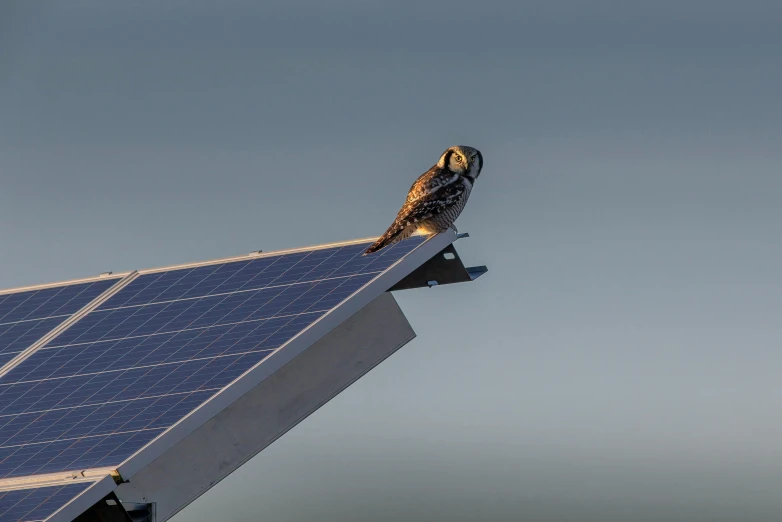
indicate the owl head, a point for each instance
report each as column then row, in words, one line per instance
column 462, row 160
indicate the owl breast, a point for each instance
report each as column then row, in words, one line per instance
column 446, row 218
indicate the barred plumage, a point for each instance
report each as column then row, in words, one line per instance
column 436, row 198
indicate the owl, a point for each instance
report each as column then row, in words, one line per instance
column 436, row 198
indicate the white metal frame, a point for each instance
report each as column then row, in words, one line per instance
column 62, row 283
column 286, row 352
column 67, row 323
column 85, row 500
column 255, row 255
column 232, row 392
column 221, row 445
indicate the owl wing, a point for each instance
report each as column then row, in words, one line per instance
column 432, row 193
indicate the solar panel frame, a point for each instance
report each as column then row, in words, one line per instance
column 261, row 370
column 37, row 503
column 84, row 501
column 286, row 352
column 54, row 421
column 36, row 311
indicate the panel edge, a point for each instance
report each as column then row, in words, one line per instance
column 83, row 501
column 284, row 354
column 67, row 323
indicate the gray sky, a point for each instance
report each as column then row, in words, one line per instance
column 620, row 360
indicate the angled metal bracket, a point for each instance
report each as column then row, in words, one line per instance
column 444, row 268
column 110, row 509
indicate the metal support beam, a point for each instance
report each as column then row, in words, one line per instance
column 266, row 412
column 107, row 509
column 444, row 268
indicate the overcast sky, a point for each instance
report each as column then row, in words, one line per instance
column 620, row 361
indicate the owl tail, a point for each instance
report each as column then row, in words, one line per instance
column 393, row 235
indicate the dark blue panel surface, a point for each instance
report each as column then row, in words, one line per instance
column 33, row 505
column 16, row 337
column 50, row 302
column 25, row 317
column 162, row 346
column 5, row 357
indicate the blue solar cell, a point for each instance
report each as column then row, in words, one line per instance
column 50, row 302
column 16, row 337
column 25, row 317
column 161, row 347
column 5, row 357
column 35, row 504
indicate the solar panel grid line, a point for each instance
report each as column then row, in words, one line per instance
column 132, row 337
column 16, row 343
column 6, row 357
column 119, row 345
column 254, row 255
column 192, row 361
column 15, row 337
column 238, row 267
column 37, row 504
column 28, row 315
column 285, row 353
column 279, row 290
column 70, row 357
column 205, row 321
column 26, row 304
column 81, row 502
column 119, row 401
column 39, row 427
column 119, row 370
column 79, row 438
column 60, row 413
column 141, row 414
column 70, row 282
column 67, row 323
column 224, row 293
column 48, row 302
column 22, row 321
column 168, row 310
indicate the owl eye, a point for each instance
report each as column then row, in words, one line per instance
column 458, row 158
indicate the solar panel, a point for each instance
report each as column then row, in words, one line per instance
column 36, row 504
column 27, row 316
column 5, row 357
column 163, row 345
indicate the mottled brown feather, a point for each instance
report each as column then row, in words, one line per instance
column 428, row 196
column 433, row 202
